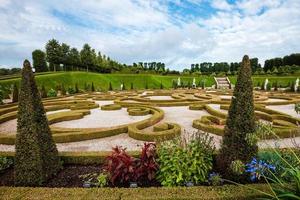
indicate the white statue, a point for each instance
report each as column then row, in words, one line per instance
column 194, row 83
column 296, row 85
column 122, row 86
column 178, row 82
column 266, row 84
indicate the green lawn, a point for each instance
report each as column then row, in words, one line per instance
column 101, row 81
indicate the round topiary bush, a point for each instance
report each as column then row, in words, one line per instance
column 111, row 107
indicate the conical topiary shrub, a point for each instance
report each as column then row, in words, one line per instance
column 36, row 156
column 238, row 142
column 43, row 92
column 15, row 95
column 93, row 87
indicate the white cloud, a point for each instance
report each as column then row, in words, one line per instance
column 138, row 30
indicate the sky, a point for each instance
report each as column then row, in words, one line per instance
column 176, row 32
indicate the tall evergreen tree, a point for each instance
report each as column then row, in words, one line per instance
column 53, row 54
column 39, row 61
column 36, row 156
column 238, row 143
column 65, row 59
column 15, row 95
column 74, row 58
column 86, row 56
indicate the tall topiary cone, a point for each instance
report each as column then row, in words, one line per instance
column 240, row 124
column 15, row 95
column 36, row 156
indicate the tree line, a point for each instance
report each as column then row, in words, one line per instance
column 284, row 62
column 58, row 57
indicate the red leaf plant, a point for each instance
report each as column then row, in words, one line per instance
column 147, row 166
column 120, row 167
column 123, row 168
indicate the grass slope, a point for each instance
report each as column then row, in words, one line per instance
column 101, row 81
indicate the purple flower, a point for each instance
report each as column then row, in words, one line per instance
column 258, row 168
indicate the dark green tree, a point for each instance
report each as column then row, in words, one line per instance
column 86, row 56
column 65, row 59
column 36, row 157
column 238, row 143
column 110, row 88
column 39, row 61
column 15, row 95
column 74, row 59
column 43, row 92
column 93, row 87
column 53, row 54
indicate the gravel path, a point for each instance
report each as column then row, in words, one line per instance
column 288, row 109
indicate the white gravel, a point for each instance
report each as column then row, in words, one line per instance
column 160, row 97
column 287, row 109
column 275, row 100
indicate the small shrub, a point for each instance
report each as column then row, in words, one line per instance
column 131, row 86
column 94, row 179
column 76, row 88
column 110, row 88
column 15, row 96
column 51, row 93
column 297, row 108
column 215, row 179
column 181, row 162
column 237, row 167
column 93, row 87
column 5, row 163
column 71, row 90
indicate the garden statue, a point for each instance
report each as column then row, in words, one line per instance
column 122, row 86
column 296, row 85
column 266, row 84
column 178, row 82
column 194, row 83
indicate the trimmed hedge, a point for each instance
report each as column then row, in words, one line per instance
column 226, row 192
column 111, row 107
column 138, row 111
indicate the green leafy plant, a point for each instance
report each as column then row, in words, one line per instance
column 1, row 97
column 94, row 179
column 181, row 161
column 215, row 179
column 51, row 93
column 237, row 167
column 71, row 90
column 5, row 163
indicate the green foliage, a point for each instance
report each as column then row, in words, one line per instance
column 240, row 124
column 5, row 163
column 15, row 95
column 161, row 86
column 39, row 61
column 94, row 179
column 36, row 156
column 237, row 167
column 53, row 54
column 43, row 92
column 181, row 162
column 131, row 86
column 146, row 86
column 51, row 93
column 71, row 90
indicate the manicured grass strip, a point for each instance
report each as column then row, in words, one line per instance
column 226, row 192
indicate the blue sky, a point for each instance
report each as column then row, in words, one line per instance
column 176, row 32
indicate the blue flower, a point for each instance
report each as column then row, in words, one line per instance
column 258, row 169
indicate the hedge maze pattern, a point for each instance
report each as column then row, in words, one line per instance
column 139, row 103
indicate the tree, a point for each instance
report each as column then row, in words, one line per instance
column 74, row 58
column 86, row 56
column 93, row 88
column 53, row 54
column 65, row 59
column 15, row 95
column 110, row 88
column 131, row 86
column 240, row 124
column 161, row 85
column 39, row 61
column 36, row 157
